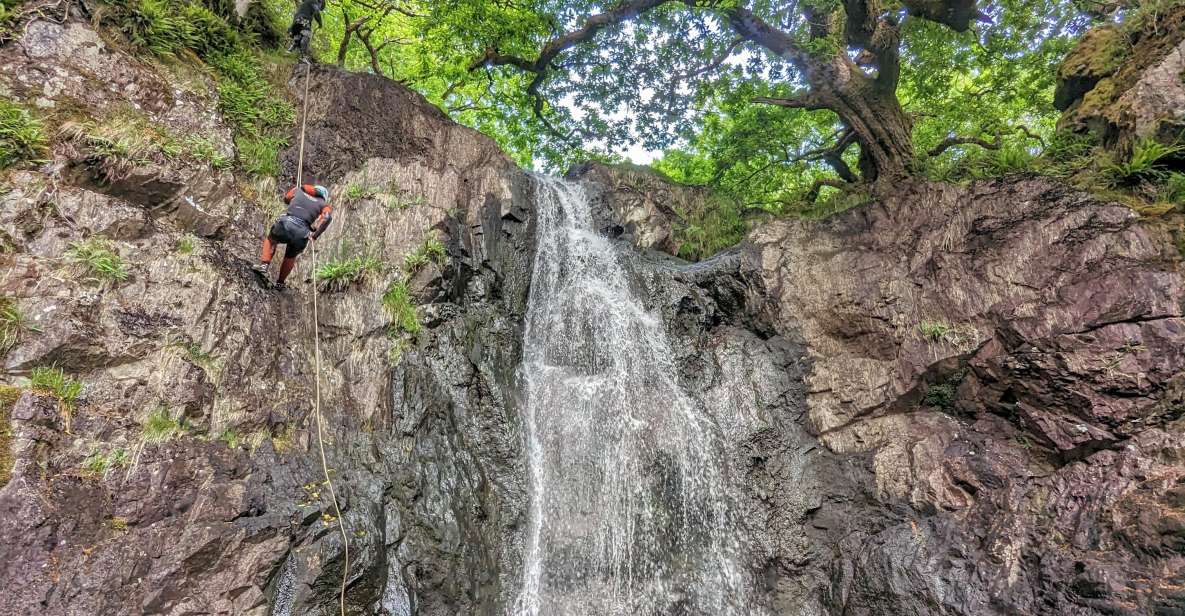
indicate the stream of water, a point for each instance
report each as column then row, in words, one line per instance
column 630, row 514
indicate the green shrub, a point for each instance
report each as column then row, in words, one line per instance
column 341, row 272
column 97, row 257
column 1143, row 163
column 1174, row 189
column 704, row 231
column 260, row 120
column 260, row 155
column 160, row 427
column 22, row 136
column 186, row 244
column 432, row 249
column 1011, row 158
column 398, row 304
column 231, row 437
column 12, row 324
column 935, row 331
column 201, row 148
column 54, row 381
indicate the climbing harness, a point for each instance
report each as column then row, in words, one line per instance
column 341, row 525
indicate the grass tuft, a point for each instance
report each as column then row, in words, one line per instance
column 935, row 331
column 12, row 324
column 160, row 427
column 100, row 465
column 99, row 260
column 22, row 136
column 342, row 271
column 186, row 244
column 398, row 304
column 54, row 381
column 431, row 250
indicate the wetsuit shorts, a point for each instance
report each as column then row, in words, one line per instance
column 291, row 231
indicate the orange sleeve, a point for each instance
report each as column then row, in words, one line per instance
column 310, row 190
column 289, row 195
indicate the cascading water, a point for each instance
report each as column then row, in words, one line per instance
column 630, row 513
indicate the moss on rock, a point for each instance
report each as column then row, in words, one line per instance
column 8, row 397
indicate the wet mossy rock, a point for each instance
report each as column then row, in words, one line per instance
column 1125, row 82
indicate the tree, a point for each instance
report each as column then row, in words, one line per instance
column 846, row 52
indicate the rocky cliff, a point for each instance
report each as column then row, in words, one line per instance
column 959, row 400
column 185, row 479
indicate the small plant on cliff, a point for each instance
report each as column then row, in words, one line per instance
column 54, row 381
column 100, row 464
column 12, row 324
column 935, row 331
column 160, row 427
column 1143, row 163
column 119, row 524
column 8, row 398
column 398, row 304
column 99, row 260
column 22, row 136
column 341, row 272
column 186, row 244
column 431, row 250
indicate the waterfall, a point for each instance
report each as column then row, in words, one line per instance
column 630, row 513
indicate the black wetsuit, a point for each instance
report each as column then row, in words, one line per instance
column 294, row 227
column 302, row 24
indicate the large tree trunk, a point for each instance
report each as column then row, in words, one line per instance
column 882, row 128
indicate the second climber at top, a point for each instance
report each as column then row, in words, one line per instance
column 307, row 217
column 302, row 25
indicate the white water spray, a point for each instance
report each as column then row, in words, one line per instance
column 630, row 514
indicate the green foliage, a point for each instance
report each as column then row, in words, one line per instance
column 100, row 464
column 230, row 437
column 186, row 244
column 1144, row 162
column 54, row 381
column 432, row 249
column 703, row 232
column 22, row 136
column 935, row 331
column 354, row 192
column 99, row 259
column 398, row 304
column 400, row 200
column 944, row 394
column 246, row 98
column 203, row 149
column 348, row 267
column 12, row 324
column 159, row 426
column 1174, row 188
column 119, row 524
column 259, row 154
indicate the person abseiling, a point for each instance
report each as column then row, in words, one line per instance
column 302, row 25
column 307, row 217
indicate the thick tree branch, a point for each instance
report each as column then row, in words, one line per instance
column 951, row 142
column 994, row 144
column 805, row 100
column 813, row 194
column 955, row 14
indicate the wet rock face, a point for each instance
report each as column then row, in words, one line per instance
column 1007, row 360
column 230, row 515
column 637, row 204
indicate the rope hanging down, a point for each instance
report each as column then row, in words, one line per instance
column 341, row 525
